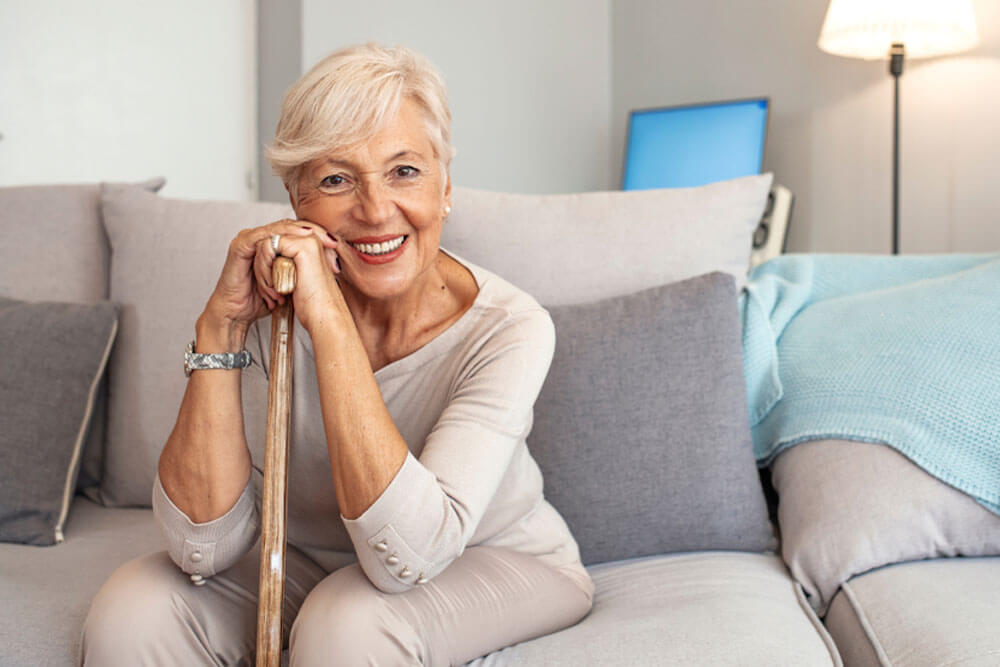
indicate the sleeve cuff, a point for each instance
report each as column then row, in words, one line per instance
column 392, row 563
column 202, row 549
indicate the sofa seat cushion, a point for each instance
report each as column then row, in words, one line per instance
column 704, row 608
column 45, row 592
column 918, row 614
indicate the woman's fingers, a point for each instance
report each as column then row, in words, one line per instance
column 332, row 259
column 252, row 255
column 265, row 253
column 262, row 276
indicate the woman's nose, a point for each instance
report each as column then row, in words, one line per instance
column 376, row 204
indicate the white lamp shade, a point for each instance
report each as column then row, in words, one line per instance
column 867, row 28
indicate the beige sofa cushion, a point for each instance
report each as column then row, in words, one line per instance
column 577, row 248
column 707, row 608
column 922, row 614
column 849, row 507
column 166, row 259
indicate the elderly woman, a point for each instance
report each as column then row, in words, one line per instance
column 418, row 533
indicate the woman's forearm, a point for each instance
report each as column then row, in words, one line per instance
column 366, row 449
column 205, row 464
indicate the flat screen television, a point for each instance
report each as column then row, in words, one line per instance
column 686, row 146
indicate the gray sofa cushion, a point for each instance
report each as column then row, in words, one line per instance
column 849, row 507
column 53, row 356
column 576, row 248
column 641, row 428
column 688, row 609
column 45, row 593
column 921, row 614
column 167, row 257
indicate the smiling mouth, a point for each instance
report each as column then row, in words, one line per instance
column 383, row 248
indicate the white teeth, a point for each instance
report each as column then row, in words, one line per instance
column 380, row 248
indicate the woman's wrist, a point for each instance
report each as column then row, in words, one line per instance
column 215, row 335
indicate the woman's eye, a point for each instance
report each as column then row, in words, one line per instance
column 407, row 171
column 333, row 181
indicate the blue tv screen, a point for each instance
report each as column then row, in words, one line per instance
column 678, row 147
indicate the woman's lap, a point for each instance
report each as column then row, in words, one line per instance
column 150, row 613
column 487, row 599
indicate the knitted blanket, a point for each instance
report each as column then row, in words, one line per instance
column 903, row 351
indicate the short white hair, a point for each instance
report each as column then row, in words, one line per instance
column 347, row 97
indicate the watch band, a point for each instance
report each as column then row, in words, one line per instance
column 225, row 361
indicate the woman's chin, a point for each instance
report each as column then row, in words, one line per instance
column 381, row 287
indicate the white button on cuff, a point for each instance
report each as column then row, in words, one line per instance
column 381, row 547
column 392, row 560
column 198, row 580
column 196, row 557
column 405, row 572
column 421, row 579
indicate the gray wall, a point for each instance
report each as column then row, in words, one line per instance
column 829, row 138
column 279, row 64
column 529, row 82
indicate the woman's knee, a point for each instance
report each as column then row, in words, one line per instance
column 346, row 620
column 150, row 613
column 133, row 608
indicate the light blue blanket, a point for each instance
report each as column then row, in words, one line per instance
column 897, row 350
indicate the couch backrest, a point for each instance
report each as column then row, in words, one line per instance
column 576, row 248
column 563, row 249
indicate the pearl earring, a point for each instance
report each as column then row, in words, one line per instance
column 447, row 209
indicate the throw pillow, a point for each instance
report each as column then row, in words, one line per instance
column 849, row 507
column 579, row 248
column 53, row 356
column 641, row 428
column 166, row 259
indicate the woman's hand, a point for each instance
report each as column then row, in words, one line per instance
column 317, row 295
column 243, row 293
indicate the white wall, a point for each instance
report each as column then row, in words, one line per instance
column 830, row 135
column 529, row 81
column 117, row 89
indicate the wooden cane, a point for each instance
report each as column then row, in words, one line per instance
column 274, row 506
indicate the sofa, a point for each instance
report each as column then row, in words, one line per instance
column 837, row 550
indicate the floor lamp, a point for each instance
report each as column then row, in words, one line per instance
column 875, row 29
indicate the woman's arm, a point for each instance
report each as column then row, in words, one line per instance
column 366, row 449
column 205, row 464
column 428, row 511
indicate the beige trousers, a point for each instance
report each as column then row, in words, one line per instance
column 149, row 612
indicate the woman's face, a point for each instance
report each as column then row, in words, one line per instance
column 383, row 202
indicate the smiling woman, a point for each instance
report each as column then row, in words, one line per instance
column 426, row 538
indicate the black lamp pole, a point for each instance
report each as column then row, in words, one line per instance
column 896, row 54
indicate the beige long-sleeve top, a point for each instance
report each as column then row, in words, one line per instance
column 462, row 402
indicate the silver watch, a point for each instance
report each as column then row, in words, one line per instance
column 227, row 361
